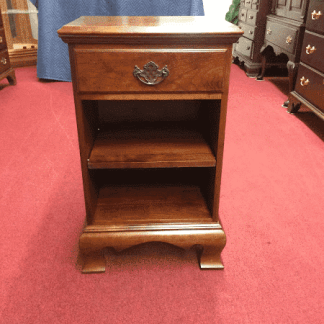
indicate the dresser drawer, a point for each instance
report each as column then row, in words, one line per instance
column 251, row 17
column 4, row 61
column 281, row 35
column 242, row 14
column 2, row 39
column 315, row 16
column 313, row 51
column 244, row 46
column 310, row 85
column 104, row 69
column 255, row 4
column 249, row 31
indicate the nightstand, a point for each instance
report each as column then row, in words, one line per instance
column 150, row 98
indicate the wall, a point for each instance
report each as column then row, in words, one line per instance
column 216, row 8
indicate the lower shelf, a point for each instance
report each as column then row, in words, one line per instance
column 118, row 205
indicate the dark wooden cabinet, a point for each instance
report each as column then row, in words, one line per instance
column 252, row 18
column 284, row 34
column 150, row 97
column 309, row 85
column 6, row 71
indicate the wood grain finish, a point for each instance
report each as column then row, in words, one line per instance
column 111, row 70
column 150, row 147
column 151, row 156
column 6, row 70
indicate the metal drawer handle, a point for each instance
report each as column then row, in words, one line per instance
column 150, row 74
column 3, row 61
column 310, row 49
column 316, row 15
column 269, row 31
column 250, row 17
column 248, row 2
column 289, row 40
column 251, row 32
column 304, row 82
column 1, row 39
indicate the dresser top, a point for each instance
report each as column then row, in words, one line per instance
column 150, row 26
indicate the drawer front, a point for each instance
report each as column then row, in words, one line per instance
column 4, row 61
column 315, row 16
column 255, row 4
column 2, row 39
column 113, row 70
column 251, row 17
column 248, row 3
column 313, row 51
column 282, row 36
column 242, row 15
column 249, row 31
column 244, row 46
column 310, row 84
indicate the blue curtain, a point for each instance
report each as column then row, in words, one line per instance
column 53, row 59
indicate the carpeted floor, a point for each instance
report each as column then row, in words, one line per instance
column 272, row 209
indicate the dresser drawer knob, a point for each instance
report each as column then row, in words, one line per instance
column 250, row 17
column 1, row 39
column 289, row 40
column 310, row 49
column 251, row 32
column 269, row 31
column 316, row 15
column 150, row 74
column 3, row 61
column 304, row 82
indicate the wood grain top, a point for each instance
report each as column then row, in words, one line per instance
column 197, row 27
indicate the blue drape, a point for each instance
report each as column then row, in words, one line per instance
column 53, row 58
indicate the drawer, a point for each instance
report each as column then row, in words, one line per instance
column 315, row 16
column 2, row 39
column 313, row 51
column 281, row 35
column 244, row 46
column 248, row 3
column 242, row 15
column 103, row 69
column 249, row 31
column 310, row 85
column 4, row 61
column 251, row 17
column 255, row 4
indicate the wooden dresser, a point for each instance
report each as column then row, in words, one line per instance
column 150, row 97
column 252, row 20
column 309, row 87
column 284, row 35
column 6, row 71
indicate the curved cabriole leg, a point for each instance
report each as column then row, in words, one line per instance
column 263, row 67
column 292, row 71
column 210, row 258
column 11, row 77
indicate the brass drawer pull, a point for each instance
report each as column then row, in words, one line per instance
column 310, row 49
column 1, row 39
column 269, row 31
column 316, row 15
column 150, row 74
column 3, row 61
column 289, row 40
column 304, row 82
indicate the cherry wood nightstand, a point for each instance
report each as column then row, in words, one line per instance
column 151, row 97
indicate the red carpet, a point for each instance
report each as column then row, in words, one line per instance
column 272, row 209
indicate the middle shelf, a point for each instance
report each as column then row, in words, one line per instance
column 157, row 145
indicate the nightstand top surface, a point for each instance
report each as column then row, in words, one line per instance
column 149, row 25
